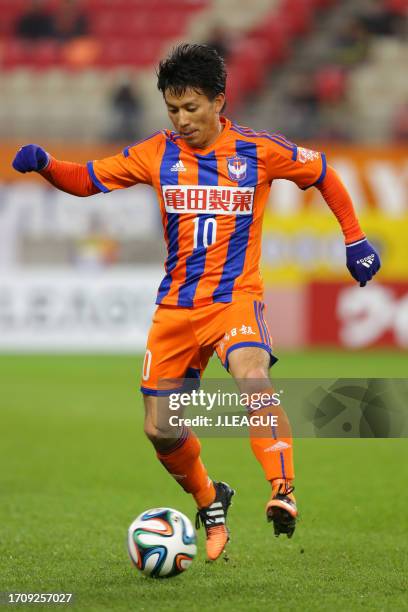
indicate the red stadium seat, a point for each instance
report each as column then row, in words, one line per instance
column 276, row 37
column 15, row 53
column 170, row 25
column 322, row 4
column 399, row 7
column 129, row 52
column 46, row 53
column 121, row 24
column 248, row 58
column 330, row 84
column 15, row 7
column 41, row 55
column 7, row 24
column 297, row 14
column 166, row 23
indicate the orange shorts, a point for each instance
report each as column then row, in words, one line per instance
column 182, row 340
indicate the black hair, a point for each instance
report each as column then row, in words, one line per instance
column 194, row 66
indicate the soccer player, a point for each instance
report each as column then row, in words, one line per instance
column 212, row 179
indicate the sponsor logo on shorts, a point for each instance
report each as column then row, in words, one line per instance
column 212, row 199
column 245, row 330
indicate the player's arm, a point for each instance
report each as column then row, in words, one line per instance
column 133, row 165
column 362, row 259
column 67, row 176
column 308, row 168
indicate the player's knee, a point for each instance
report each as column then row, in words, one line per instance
column 157, row 432
column 152, row 431
column 249, row 363
column 258, row 372
column 155, row 435
column 253, row 372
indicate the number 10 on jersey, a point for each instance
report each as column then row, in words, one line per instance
column 205, row 232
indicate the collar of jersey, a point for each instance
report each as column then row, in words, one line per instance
column 221, row 137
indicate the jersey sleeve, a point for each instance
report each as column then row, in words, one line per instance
column 133, row 165
column 286, row 160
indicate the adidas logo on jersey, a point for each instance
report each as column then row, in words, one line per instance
column 178, row 167
column 278, row 446
column 367, row 261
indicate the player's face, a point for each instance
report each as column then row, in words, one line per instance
column 195, row 117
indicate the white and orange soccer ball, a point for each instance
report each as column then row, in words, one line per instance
column 162, row 542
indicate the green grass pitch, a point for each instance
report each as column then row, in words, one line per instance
column 76, row 470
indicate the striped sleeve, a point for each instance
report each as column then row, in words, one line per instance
column 286, row 160
column 131, row 166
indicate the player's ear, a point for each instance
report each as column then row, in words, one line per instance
column 219, row 102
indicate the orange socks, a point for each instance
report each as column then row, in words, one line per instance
column 184, row 464
column 272, row 444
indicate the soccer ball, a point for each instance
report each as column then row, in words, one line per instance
column 162, row 542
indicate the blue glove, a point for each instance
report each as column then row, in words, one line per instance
column 363, row 261
column 30, row 157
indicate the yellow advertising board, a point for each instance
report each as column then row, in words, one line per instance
column 309, row 246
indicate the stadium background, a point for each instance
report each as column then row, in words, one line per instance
column 78, row 280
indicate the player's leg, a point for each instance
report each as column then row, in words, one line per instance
column 172, row 353
column 171, row 356
column 213, row 516
column 271, row 445
column 179, row 452
column 245, row 350
column 178, row 449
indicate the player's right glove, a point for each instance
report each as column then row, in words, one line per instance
column 363, row 261
column 31, row 158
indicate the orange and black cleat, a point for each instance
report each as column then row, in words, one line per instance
column 281, row 508
column 213, row 517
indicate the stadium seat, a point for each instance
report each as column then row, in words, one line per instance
column 330, row 84
column 276, row 36
column 47, row 54
column 399, row 7
column 129, row 52
column 15, row 53
column 249, row 59
column 7, row 23
column 297, row 15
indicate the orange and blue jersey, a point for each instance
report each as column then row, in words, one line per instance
column 212, row 203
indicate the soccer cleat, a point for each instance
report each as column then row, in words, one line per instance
column 281, row 508
column 213, row 518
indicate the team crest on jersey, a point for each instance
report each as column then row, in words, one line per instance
column 237, row 167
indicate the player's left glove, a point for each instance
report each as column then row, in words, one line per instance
column 363, row 261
